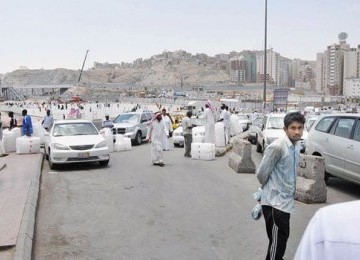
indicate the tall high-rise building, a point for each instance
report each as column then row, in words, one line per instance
column 278, row 68
column 330, row 67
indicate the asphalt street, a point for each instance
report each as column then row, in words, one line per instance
column 187, row 209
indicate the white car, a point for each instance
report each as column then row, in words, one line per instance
column 272, row 128
column 244, row 120
column 74, row 141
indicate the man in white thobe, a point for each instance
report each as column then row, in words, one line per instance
column 332, row 233
column 168, row 130
column 157, row 131
column 225, row 119
column 209, row 120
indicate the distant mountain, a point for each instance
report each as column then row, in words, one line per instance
column 168, row 68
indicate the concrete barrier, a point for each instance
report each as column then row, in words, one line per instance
column 310, row 183
column 240, row 157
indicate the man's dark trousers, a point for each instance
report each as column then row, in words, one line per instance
column 278, row 229
column 187, row 144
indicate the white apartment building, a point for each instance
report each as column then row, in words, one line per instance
column 330, row 69
column 352, row 87
column 272, row 65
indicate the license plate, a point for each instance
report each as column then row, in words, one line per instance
column 84, row 155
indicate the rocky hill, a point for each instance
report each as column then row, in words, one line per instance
column 166, row 69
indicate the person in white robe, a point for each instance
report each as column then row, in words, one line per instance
column 156, row 134
column 209, row 120
column 225, row 119
column 332, row 233
column 168, row 130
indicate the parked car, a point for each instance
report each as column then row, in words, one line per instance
column 74, row 141
column 244, row 120
column 178, row 136
column 310, row 121
column 273, row 128
column 255, row 129
column 336, row 137
column 133, row 125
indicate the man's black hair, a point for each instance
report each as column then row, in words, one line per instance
column 293, row 117
column 189, row 113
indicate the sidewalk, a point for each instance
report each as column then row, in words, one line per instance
column 19, row 188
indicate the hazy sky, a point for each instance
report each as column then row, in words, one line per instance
column 56, row 33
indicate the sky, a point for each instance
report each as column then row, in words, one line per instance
column 53, row 34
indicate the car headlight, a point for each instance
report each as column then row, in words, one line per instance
column 130, row 129
column 101, row 145
column 61, row 147
column 269, row 140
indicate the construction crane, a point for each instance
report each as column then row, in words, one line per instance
column 82, row 68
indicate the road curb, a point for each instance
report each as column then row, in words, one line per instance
column 23, row 249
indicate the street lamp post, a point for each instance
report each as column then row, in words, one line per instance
column 265, row 57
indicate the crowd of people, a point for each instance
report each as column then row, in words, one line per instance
column 276, row 174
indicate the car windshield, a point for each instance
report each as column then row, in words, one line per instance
column 275, row 123
column 71, row 129
column 127, row 118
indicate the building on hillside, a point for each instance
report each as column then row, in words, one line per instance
column 238, row 67
column 303, row 73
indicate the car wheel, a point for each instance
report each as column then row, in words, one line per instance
column 51, row 164
column 258, row 148
column 104, row 163
column 137, row 140
column 326, row 178
column 177, row 145
column 46, row 155
column 255, row 140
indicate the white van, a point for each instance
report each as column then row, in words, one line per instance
column 336, row 137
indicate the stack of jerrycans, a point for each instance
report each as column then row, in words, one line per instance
column 203, row 151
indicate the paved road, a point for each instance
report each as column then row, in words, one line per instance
column 132, row 210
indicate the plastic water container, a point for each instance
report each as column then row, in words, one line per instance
column 203, row 151
column 219, row 134
column 9, row 139
column 27, row 144
column 236, row 126
column 109, row 139
column 198, row 139
column 124, row 145
column 38, row 131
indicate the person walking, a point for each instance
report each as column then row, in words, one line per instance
column 209, row 120
column 27, row 128
column 13, row 121
column 107, row 123
column 156, row 134
column 187, row 131
column 277, row 175
column 168, row 130
column 48, row 121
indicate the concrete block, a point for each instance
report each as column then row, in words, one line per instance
column 240, row 164
column 310, row 191
column 23, row 247
column 311, row 167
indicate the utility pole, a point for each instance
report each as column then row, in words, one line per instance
column 265, row 57
column 82, row 68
